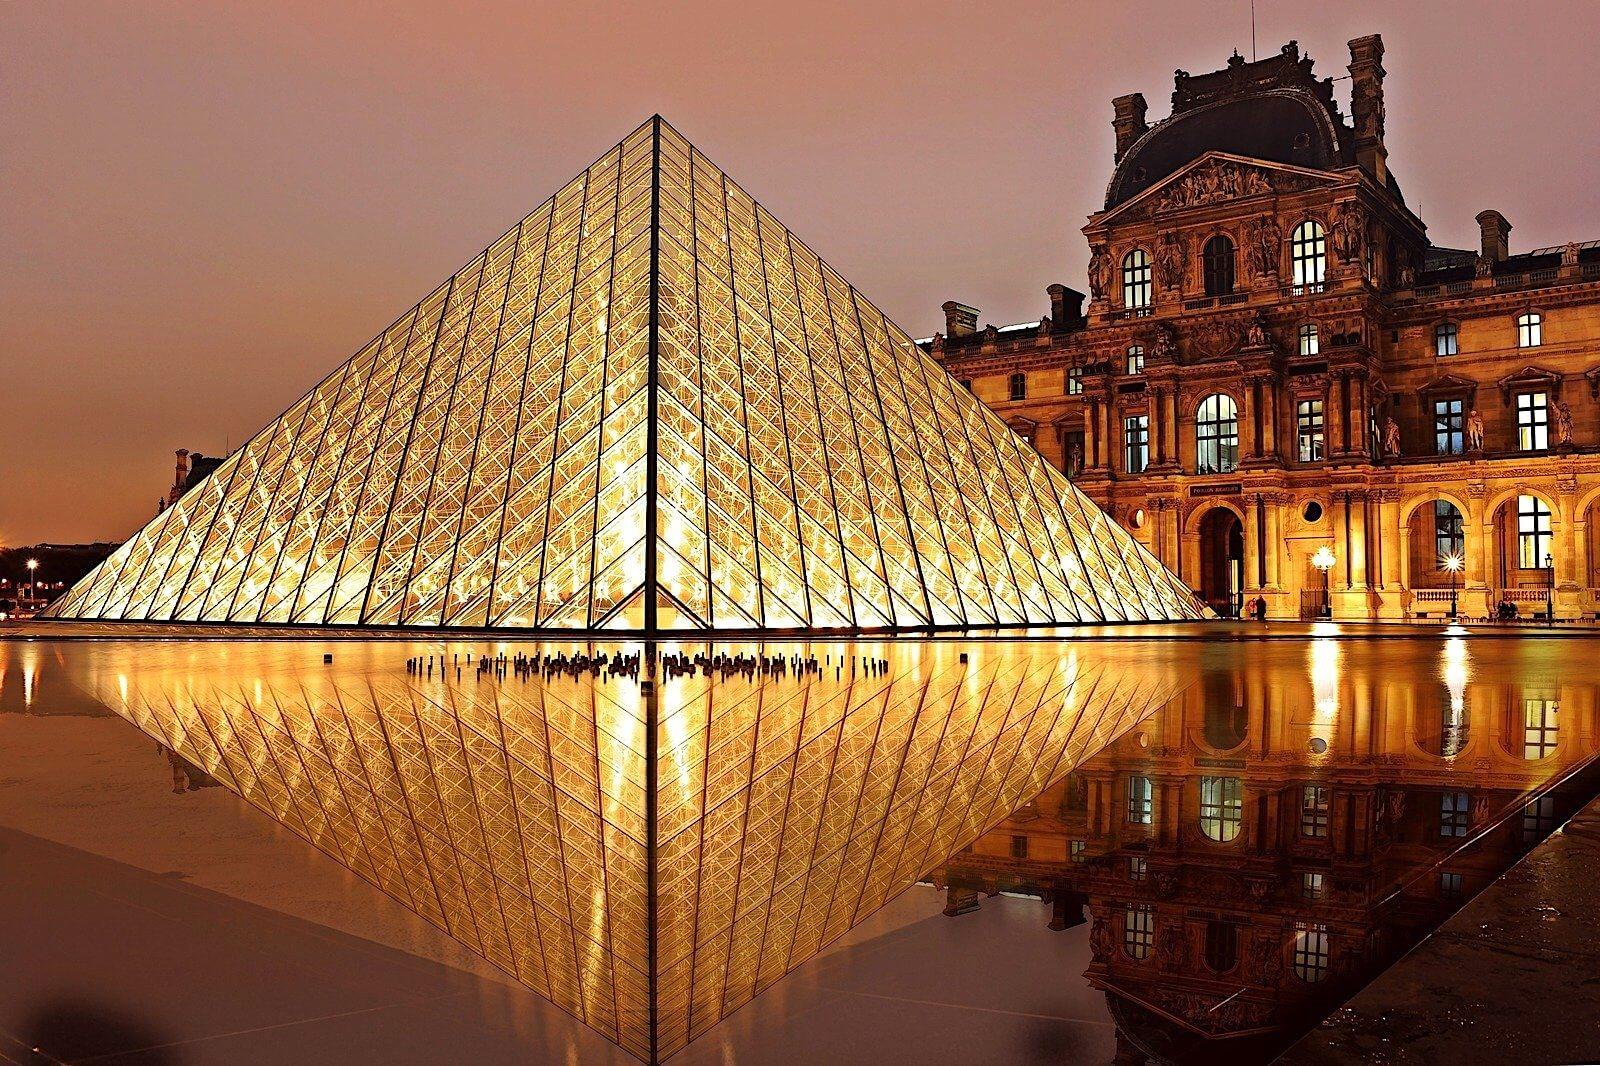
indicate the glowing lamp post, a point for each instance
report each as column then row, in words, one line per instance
column 1549, row 589
column 33, row 579
column 1323, row 559
column 1453, row 563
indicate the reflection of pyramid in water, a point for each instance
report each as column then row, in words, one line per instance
column 650, row 350
column 515, row 815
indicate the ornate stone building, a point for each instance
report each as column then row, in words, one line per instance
column 1256, row 850
column 1276, row 369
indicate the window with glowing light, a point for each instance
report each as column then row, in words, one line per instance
column 1221, row 807
column 1135, row 362
column 1533, row 533
column 1138, row 931
column 1310, row 951
column 1308, row 257
column 1449, row 531
column 1530, row 330
column 1138, row 284
column 1308, row 430
column 1449, row 427
column 1216, row 431
column 1446, row 339
column 1533, row 421
column 1141, row 800
column 1540, row 727
column 1310, row 344
column 1315, row 807
column 1136, row 443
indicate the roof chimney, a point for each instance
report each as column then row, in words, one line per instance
column 1066, row 306
column 959, row 319
column 1129, row 123
column 1495, row 234
column 1366, row 105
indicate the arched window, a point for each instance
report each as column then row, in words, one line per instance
column 1222, row 946
column 1530, row 330
column 1221, row 807
column 1533, row 533
column 1310, row 341
column 1019, row 386
column 1449, row 532
column 1308, row 255
column 1216, row 431
column 1446, row 339
column 1217, row 264
column 1138, row 288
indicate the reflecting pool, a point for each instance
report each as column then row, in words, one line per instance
column 1243, row 831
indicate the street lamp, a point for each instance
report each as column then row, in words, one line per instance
column 33, row 579
column 1323, row 559
column 1453, row 563
column 1549, row 589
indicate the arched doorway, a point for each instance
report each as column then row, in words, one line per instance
column 1436, row 550
column 1222, row 562
column 1524, row 560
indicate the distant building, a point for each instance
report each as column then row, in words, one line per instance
column 1275, row 359
column 192, row 468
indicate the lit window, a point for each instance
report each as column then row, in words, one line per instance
column 1449, row 427
column 1449, row 884
column 1019, row 386
column 1075, row 851
column 1314, row 809
column 1446, row 339
column 1138, row 288
column 1141, row 800
column 1074, row 381
column 1136, row 438
column 1311, row 885
column 1540, row 727
column 1138, row 868
column 1308, row 254
column 1138, row 931
column 1309, row 342
column 1310, row 951
column 1019, row 846
column 1455, row 814
column 1308, row 430
column 1217, row 264
column 1221, row 807
column 1530, row 330
column 1533, row 421
column 1135, row 362
column 1538, row 819
column 1449, row 530
column 1216, row 429
column 1533, row 533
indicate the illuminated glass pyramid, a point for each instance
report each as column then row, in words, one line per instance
column 649, row 350
column 648, row 881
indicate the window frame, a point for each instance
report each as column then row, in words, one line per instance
column 1141, row 800
column 1308, row 341
column 1540, row 737
column 1533, row 420
column 1535, row 539
column 1311, row 952
column 1455, row 815
column 1133, row 360
column 1530, row 330
column 1135, row 445
column 1308, row 257
column 1449, row 425
column 1219, row 265
column 1138, row 931
column 1216, row 431
column 1446, row 334
column 1074, row 381
column 1138, row 281
column 1311, row 430
column 1221, row 816
column 1449, row 531
column 1017, row 387
column 1316, row 811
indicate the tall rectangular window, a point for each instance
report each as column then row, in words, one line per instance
column 1135, row 364
column 1455, row 814
column 1221, row 807
column 1074, row 381
column 1138, row 281
column 1308, row 430
column 1540, row 727
column 1538, row 819
column 1138, row 868
column 1446, row 339
column 1138, row 931
column 1141, row 800
column 1309, row 342
column 1314, row 810
column 1533, row 421
column 1530, row 330
column 1019, row 386
column 1449, row 427
column 1136, row 442
column 1533, row 533
column 1310, row 951
column 1311, row 885
column 1449, row 530
column 1308, row 257
column 1019, row 846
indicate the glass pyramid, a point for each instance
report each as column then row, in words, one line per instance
column 647, row 893
column 648, row 407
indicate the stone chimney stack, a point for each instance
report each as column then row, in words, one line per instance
column 1495, row 235
column 181, row 472
column 959, row 319
column 1066, row 306
column 1366, row 105
column 1129, row 123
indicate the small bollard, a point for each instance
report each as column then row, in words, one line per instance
column 963, row 656
column 647, row 687
column 327, row 658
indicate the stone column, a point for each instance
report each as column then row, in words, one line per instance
column 1091, row 435
column 1333, row 416
column 1360, row 576
column 1568, row 593
column 1269, row 417
column 1249, row 439
column 959, row 899
column 1275, row 507
column 1158, row 424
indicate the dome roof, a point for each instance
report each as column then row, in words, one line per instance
column 1278, row 125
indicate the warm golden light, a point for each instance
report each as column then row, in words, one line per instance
column 1323, row 559
column 1454, row 562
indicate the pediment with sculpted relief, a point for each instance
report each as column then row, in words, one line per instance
column 1216, row 178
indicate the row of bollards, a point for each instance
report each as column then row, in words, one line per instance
column 604, row 667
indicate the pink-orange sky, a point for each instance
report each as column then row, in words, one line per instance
column 206, row 206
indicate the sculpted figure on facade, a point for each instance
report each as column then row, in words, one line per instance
column 1266, row 241
column 1563, row 417
column 1483, row 266
column 1099, row 272
column 1171, row 254
column 1349, row 232
column 1165, row 346
column 1255, row 332
column 1569, row 254
column 1391, row 437
column 1475, row 430
column 1210, row 185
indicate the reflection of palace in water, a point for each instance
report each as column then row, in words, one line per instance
column 1258, row 849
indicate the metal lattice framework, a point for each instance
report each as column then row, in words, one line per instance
column 521, row 817
column 647, row 407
